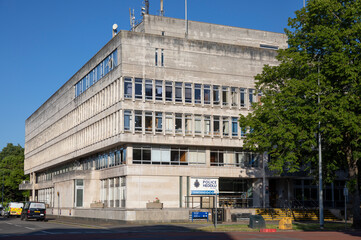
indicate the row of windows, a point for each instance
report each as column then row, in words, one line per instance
column 194, row 156
column 156, row 155
column 102, row 69
column 113, row 192
column 48, row 176
column 99, row 161
column 188, row 93
column 46, row 195
column 182, row 124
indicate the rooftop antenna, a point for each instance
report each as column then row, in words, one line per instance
column 161, row 8
column 131, row 19
column 145, row 9
column 186, row 17
column 115, row 26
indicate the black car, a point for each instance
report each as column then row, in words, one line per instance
column 34, row 210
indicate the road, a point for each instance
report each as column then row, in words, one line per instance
column 53, row 229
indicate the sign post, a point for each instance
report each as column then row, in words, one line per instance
column 206, row 186
column 215, row 212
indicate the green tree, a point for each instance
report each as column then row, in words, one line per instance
column 12, row 172
column 325, row 47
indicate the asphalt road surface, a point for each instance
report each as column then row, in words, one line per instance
column 14, row 228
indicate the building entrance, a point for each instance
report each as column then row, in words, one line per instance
column 235, row 192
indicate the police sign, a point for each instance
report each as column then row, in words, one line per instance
column 204, row 186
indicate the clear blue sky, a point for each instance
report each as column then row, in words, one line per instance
column 44, row 42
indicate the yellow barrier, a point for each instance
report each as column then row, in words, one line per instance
column 285, row 224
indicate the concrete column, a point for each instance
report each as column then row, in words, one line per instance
column 208, row 157
column 33, row 177
column 257, row 192
column 129, row 155
column 180, row 191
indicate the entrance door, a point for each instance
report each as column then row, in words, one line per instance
column 79, row 190
column 272, row 189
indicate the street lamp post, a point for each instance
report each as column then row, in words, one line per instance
column 2, row 192
column 320, row 154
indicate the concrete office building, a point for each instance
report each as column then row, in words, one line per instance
column 155, row 107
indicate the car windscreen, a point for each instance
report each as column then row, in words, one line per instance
column 37, row 205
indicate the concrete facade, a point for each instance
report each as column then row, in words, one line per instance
column 128, row 138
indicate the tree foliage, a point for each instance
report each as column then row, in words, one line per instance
column 323, row 60
column 12, row 172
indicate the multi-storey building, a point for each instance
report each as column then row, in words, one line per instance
column 155, row 107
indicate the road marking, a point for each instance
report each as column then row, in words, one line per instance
column 30, row 228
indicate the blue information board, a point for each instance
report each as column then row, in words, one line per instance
column 199, row 215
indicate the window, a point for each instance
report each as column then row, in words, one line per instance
column 156, row 57
column 225, row 96
column 233, row 97
column 198, row 124
column 225, row 123
column 242, row 97
column 79, row 189
column 197, row 93
column 188, row 124
column 248, row 159
column 251, row 96
column 178, row 123
column 158, row 122
column 196, row 156
column 149, row 89
column 149, row 122
column 207, row 125
column 118, row 157
column 169, row 91
column 138, row 88
column 160, row 155
column 158, row 90
column 188, row 92
column 162, row 58
column 234, row 126
column 142, row 155
column 127, row 120
column 243, row 132
column 116, row 192
column 91, row 78
column 215, row 95
column 138, row 121
column 179, row 156
column 216, row 158
column 97, row 73
column 259, row 97
column 207, row 94
column 178, row 92
column 268, row 46
column 128, row 88
column 215, row 126
column 169, row 123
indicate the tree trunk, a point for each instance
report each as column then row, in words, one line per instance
column 353, row 173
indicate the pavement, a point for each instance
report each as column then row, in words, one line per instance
column 79, row 229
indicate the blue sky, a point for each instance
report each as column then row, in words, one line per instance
column 44, row 42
